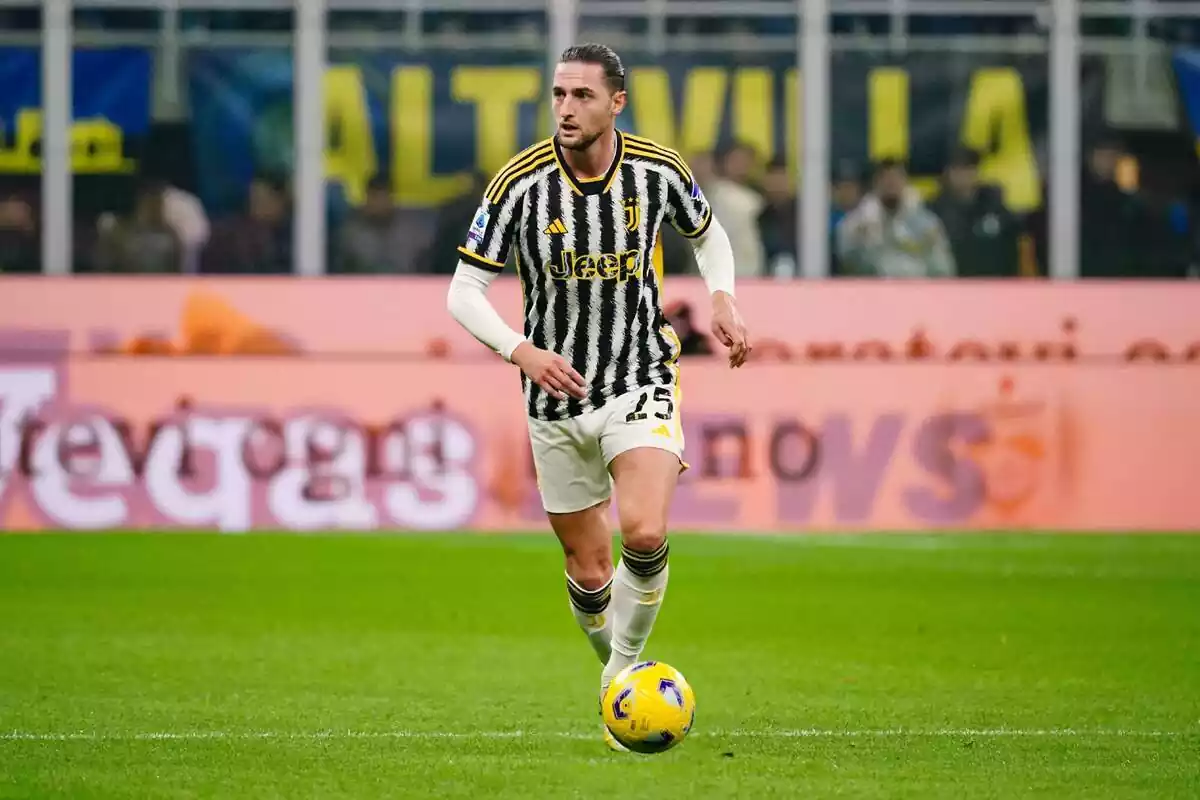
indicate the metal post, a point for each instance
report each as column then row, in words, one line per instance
column 308, row 87
column 168, row 68
column 813, row 210
column 562, row 18
column 57, row 203
column 656, row 26
column 413, row 22
column 1141, row 47
column 1065, row 164
column 898, row 37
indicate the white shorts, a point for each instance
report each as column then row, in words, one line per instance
column 572, row 456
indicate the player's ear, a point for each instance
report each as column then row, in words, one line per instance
column 618, row 102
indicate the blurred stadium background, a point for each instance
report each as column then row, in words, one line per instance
column 202, row 100
column 226, row 232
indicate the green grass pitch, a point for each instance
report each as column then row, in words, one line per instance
column 282, row 666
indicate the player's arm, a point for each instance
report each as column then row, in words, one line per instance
column 468, row 303
column 714, row 259
column 690, row 214
column 481, row 259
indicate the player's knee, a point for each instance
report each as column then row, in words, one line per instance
column 592, row 578
column 590, row 567
column 643, row 534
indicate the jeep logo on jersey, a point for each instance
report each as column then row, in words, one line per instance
column 590, row 266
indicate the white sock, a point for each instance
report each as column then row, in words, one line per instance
column 639, row 584
column 591, row 610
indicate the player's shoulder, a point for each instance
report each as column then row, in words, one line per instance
column 525, row 163
column 663, row 158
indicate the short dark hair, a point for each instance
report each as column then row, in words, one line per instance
column 148, row 184
column 271, row 180
column 964, row 157
column 847, row 171
column 731, row 146
column 888, row 165
column 1108, row 141
column 602, row 55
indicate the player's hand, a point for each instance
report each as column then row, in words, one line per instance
column 549, row 371
column 730, row 330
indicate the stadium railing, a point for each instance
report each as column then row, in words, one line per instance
column 1059, row 28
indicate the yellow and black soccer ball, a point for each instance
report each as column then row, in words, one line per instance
column 649, row 707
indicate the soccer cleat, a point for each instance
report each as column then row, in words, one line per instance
column 612, row 742
column 607, row 735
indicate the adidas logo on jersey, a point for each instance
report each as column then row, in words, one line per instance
column 555, row 228
column 662, row 430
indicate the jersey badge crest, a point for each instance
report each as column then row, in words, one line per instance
column 479, row 225
column 633, row 214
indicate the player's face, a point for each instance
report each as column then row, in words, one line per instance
column 583, row 105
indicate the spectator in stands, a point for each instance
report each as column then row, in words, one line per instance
column 984, row 235
column 19, row 241
column 892, row 234
column 258, row 242
column 1110, row 216
column 846, row 191
column 678, row 256
column 692, row 341
column 453, row 221
column 143, row 241
column 845, row 194
column 374, row 240
column 704, row 170
column 1191, row 244
column 738, row 204
column 185, row 214
column 777, row 223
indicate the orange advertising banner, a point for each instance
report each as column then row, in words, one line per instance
column 869, row 320
column 881, row 406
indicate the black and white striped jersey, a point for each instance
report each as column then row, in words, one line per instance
column 590, row 262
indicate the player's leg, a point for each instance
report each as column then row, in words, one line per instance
column 645, row 480
column 587, row 547
column 643, row 445
column 576, row 490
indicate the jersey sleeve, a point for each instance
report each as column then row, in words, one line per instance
column 687, row 207
column 491, row 233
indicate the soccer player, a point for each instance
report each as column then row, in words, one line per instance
column 581, row 212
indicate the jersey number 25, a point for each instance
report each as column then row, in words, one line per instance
column 662, row 396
